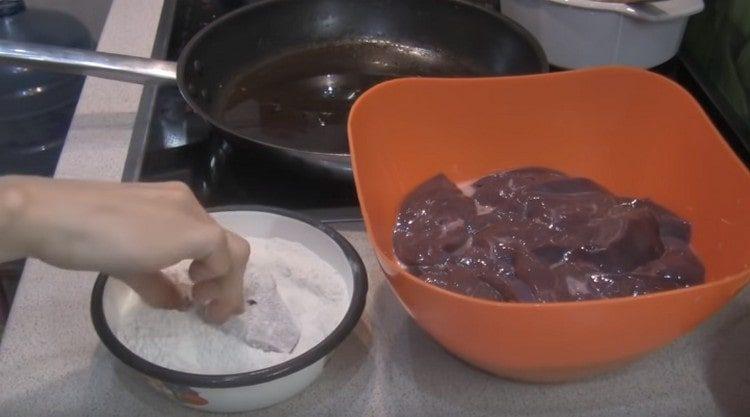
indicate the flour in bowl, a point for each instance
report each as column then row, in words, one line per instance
column 312, row 290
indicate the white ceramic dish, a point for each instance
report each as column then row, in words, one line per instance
column 585, row 33
column 260, row 388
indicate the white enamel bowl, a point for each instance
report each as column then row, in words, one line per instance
column 260, row 388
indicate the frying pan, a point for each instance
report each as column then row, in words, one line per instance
column 278, row 76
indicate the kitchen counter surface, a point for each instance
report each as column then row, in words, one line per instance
column 51, row 361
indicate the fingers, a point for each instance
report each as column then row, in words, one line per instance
column 218, row 260
column 234, row 282
column 158, row 291
column 218, row 277
column 222, row 294
column 239, row 250
column 218, row 312
column 220, row 298
column 205, row 291
column 228, row 257
column 219, row 257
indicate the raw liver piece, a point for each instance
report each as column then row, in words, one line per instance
column 537, row 235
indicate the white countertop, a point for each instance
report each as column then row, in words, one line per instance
column 52, row 363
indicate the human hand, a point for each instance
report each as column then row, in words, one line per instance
column 130, row 231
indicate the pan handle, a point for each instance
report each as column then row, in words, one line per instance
column 83, row 62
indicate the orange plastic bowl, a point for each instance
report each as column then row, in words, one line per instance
column 635, row 132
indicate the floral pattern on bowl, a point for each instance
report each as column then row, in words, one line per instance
column 183, row 394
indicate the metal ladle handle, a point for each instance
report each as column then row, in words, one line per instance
column 83, row 62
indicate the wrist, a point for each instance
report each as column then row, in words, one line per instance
column 13, row 204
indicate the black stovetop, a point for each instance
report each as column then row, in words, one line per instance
column 171, row 143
